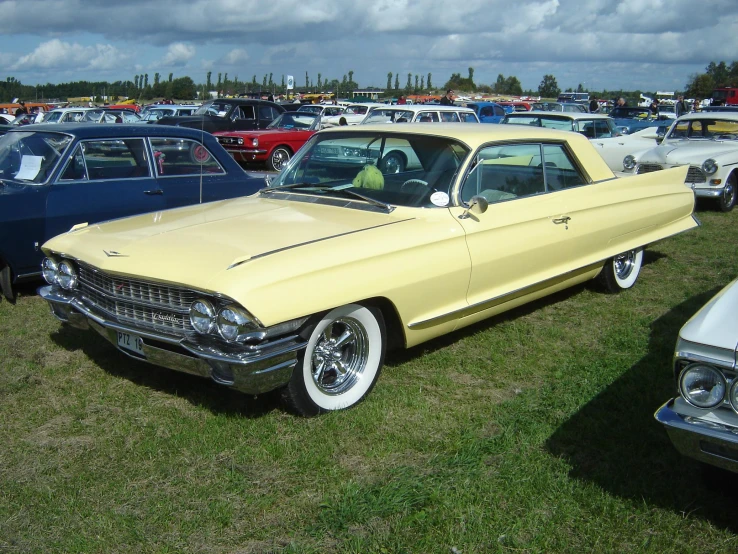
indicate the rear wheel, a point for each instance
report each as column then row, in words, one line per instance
column 394, row 162
column 727, row 198
column 621, row 272
column 341, row 362
column 278, row 158
column 6, row 284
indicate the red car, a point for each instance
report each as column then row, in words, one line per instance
column 274, row 145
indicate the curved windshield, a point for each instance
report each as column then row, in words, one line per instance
column 31, row 156
column 219, row 109
column 356, row 109
column 704, row 128
column 397, row 169
column 53, row 117
column 314, row 108
column 295, row 120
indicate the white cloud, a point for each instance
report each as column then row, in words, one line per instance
column 179, row 53
column 237, row 55
column 65, row 55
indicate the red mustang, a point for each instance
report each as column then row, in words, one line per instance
column 274, row 145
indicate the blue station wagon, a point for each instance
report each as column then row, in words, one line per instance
column 53, row 177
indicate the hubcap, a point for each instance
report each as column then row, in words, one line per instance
column 279, row 158
column 340, row 356
column 728, row 194
column 392, row 165
column 624, row 264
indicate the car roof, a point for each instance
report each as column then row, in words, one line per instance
column 729, row 116
column 421, row 108
column 102, row 130
column 559, row 115
column 473, row 135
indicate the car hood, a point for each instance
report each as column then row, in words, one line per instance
column 715, row 323
column 257, row 132
column 224, row 235
column 685, row 151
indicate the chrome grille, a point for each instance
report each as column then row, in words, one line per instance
column 140, row 303
column 648, row 168
column 695, row 175
column 228, row 140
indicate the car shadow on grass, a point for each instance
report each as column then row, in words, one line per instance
column 197, row 390
column 615, row 442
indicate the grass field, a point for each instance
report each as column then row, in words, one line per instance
column 529, row 433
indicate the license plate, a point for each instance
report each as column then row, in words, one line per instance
column 131, row 342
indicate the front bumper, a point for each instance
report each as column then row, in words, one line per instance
column 246, row 155
column 254, row 370
column 714, row 192
column 700, row 434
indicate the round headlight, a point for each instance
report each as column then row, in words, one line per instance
column 629, row 162
column 67, row 275
column 254, row 142
column 709, row 166
column 50, row 271
column 702, row 386
column 234, row 323
column 240, row 140
column 202, row 316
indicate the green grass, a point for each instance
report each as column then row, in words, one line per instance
column 532, row 432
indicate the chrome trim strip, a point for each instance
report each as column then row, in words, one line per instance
column 497, row 300
column 270, row 252
column 690, row 358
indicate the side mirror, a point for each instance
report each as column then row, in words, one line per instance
column 477, row 205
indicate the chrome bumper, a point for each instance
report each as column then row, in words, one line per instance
column 264, row 368
column 712, row 442
column 707, row 193
column 244, row 155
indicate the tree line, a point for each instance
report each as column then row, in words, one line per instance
column 184, row 88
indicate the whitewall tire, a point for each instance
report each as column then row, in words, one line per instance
column 622, row 271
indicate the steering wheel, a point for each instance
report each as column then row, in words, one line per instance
column 412, row 184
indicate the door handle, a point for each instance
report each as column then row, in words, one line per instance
column 559, row 220
column 154, row 192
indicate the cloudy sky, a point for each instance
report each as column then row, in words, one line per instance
column 602, row 44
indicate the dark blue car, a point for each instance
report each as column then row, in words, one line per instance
column 53, row 177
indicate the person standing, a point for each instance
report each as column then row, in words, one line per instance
column 680, row 108
column 594, row 106
column 401, row 100
column 448, row 99
column 654, row 107
column 21, row 108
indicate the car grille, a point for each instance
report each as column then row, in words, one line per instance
column 648, row 168
column 228, row 140
column 695, row 175
column 139, row 303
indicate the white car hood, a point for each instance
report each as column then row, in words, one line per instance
column 688, row 152
column 716, row 323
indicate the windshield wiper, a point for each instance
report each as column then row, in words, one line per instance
column 325, row 188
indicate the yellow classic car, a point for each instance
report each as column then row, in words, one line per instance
column 304, row 286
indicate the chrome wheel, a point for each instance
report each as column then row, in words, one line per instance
column 340, row 356
column 393, row 163
column 279, row 157
column 727, row 198
column 341, row 361
column 624, row 264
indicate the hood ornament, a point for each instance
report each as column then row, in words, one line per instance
column 114, row 254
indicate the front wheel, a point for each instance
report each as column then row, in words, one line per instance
column 278, row 158
column 621, row 272
column 341, row 362
column 394, row 162
column 727, row 198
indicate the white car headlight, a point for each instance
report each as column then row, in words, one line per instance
column 67, row 275
column 629, row 162
column 234, row 323
column 202, row 316
column 709, row 166
column 50, row 271
column 702, row 386
column 255, row 142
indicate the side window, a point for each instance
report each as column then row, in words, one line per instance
column 244, row 112
column 266, row 112
column 468, row 118
column 75, row 169
column 427, row 117
column 504, row 172
column 174, row 157
column 499, row 111
column 486, row 111
column 559, row 169
column 115, row 159
column 450, row 117
column 602, row 129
